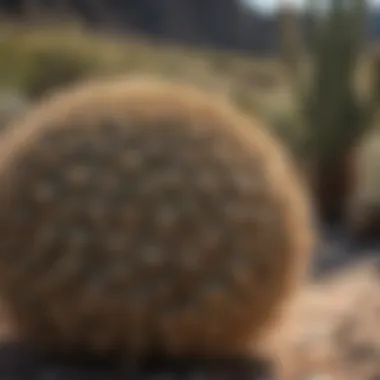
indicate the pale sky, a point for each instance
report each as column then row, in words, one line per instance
column 269, row 5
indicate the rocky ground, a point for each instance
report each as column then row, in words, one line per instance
column 333, row 326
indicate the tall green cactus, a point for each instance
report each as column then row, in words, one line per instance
column 334, row 114
column 332, row 110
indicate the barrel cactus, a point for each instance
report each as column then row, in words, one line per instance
column 145, row 216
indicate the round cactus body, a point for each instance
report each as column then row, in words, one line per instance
column 146, row 216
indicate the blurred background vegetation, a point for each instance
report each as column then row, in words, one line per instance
column 313, row 75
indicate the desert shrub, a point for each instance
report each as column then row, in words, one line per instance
column 36, row 60
column 52, row 69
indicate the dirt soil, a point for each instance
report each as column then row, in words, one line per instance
column 333, row 328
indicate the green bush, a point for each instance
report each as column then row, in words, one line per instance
column 34, row 60
column 52, row 69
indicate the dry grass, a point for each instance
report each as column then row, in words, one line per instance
column 31, row 56
column 218, row 70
